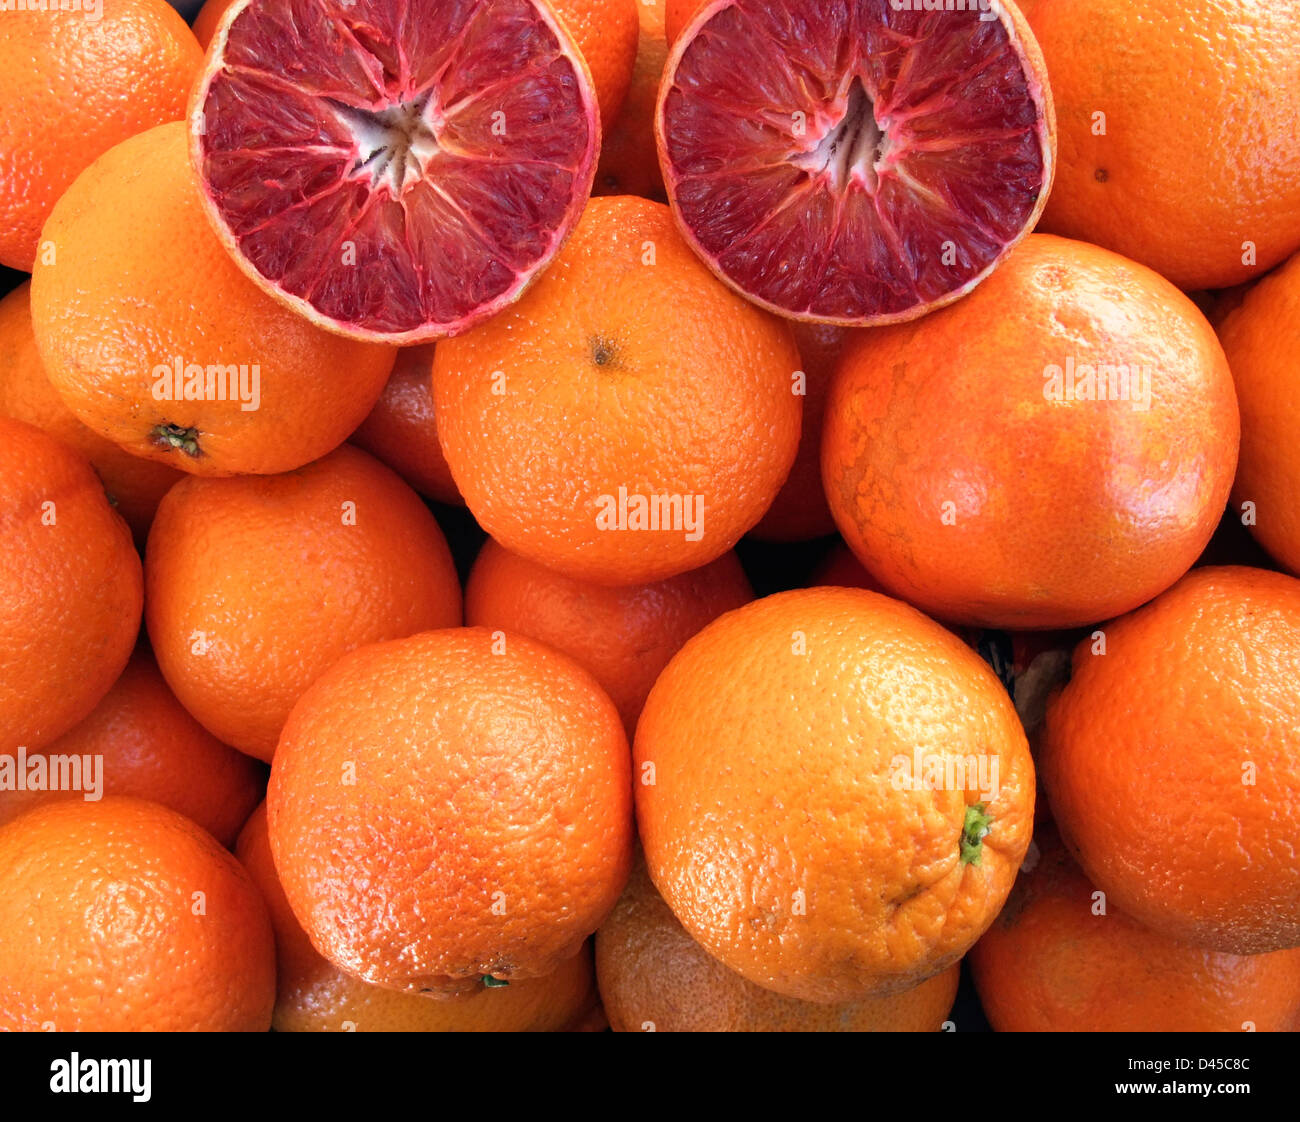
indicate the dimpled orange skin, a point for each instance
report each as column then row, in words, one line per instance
column 1200, row 690
column 1262, row 341
column 70, row 589
column 153, row 749
column 448, row 806
column 655, row 977
column 1049, row 963
column 135, row 486
column 314, row 996
column 256, row 585
column 1199, row 149
column 140, row 280
column 965, row 490
column 612, row 373
column 623, row 636
column 72, row 87
column 775, row 828
column 401, row 430
column 124, row 916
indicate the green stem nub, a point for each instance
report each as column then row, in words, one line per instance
column 973, row 832
column 494, row 983
column 183, row 440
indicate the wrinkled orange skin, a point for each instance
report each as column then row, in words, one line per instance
column 135, row 486
column 1050, row 963
column 281, row 580
column 612, row 373
column 968, row 492
column 72, row 88
column 1172, row 761
column 449, row 806
column 153, row 749
column 314, row 996
column 1262, row 341
column 124, row 916
column 655, row 977
column 623, row 636
column 771, row 821
column 1200, row 150
column 402, row 432
column 140, row 280
column 70, row 589
column 629, row 158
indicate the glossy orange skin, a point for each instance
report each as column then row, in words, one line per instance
column 283, row 575
column 629, row 159
column 449, row 806
column 1262, row 339
column 135, row 486
column 70, row 584
column 967, row 491
column 312, row 995
column 1200, row 690
column 1201, row 145
column 774, row 737
column 73, row 87
column 655, row 978
column 1051, row 963
column 623, row 636
column 124, row 916
column 612, row 373
column 401, row 430
column 140, row 281
column 800, row 511
column 153, row 749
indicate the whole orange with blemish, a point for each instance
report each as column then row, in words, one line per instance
column 313, row 995
column 149, row 747
column 452, row 806
column 157, row 341
column 124, row 916
column 70, row 586
column 655, row 978
column 623, row 636
column 135, row 486
column 258, row 584
column 833, row 793
column 1053, row 450
column 1172, row 761
column 630, row 418
column 1062, row 958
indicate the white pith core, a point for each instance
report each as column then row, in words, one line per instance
column 848, row 145
column 394, row 145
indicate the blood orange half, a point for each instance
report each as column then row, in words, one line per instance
column 394, row 171
column 855, row 161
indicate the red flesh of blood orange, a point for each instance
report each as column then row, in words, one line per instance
column 842, row 161
column 396, row 170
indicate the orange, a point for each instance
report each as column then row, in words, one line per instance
column 70, row 584
column 629, row 157
column 800, row 511
column 124, row 916
column 1262, row 341
column 452, row 806
column 834, row 793
column 630, row 418
column 677, row 14
column 314, row 996
column 840, row 569
column 205, row 23
column 623, row 636
column 401, row 430
column 1054, row 450
column 258, row 584
column 139, row 289
column 150, row 748
column 1172, row 761
column 134, row 486
column 655, row 978
column 1060, row 958
column 1179, row 130
column 73, row 85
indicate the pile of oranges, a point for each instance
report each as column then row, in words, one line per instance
column 274, row 752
